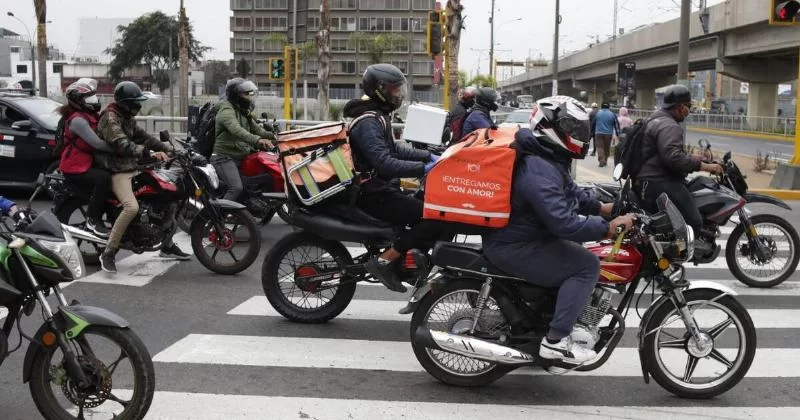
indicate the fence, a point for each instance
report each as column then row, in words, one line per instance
column 737, row 122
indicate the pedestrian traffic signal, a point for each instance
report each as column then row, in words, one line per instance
column 277, row 68
column 434, row 46
column 783, row 12
column 292, row 57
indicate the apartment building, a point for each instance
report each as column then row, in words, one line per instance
column 260, row 29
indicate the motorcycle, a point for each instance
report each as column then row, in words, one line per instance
column 72, row 358
column 475, row 323
column 756, row 239
column 185, row 179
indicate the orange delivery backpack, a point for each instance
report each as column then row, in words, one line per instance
column 471, row 183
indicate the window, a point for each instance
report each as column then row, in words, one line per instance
column 272, row 4
column 342, row 45
column 380, row 24
column 423, row 68
column 22, row 68
column 384, row 4
column 418, row 45
column 241, row 4
column 343, row 24
column 14, row 49
column 271, row 23
column 419, row 25
column 241, row 24
column 58, row 67
column 313, row 5
column 422, row 4
column 264, row 45
column 343, row 67
column 342, row 4
column 313, row 23
column 242, row 44
column 312, row 66
column 402, row 65
column 260, row 66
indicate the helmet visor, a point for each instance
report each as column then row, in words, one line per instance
column 397, row 94
column 249, row 88
column 577, row 129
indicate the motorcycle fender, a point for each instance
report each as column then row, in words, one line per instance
column 221, row 203
column 762, row 198
column 75, row 319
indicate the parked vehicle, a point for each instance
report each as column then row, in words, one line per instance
column 216, row 232
column 520, row 117
column 79, row 353
column 27, row 138
column 475, row 323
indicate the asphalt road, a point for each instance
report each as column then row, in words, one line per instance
column 744, row 145
column 222, row 353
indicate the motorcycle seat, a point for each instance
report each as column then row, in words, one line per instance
column 353, row 226
column 466, row 259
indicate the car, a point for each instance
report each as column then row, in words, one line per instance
column 520, row 117
column 151, row 95
column 27, row 138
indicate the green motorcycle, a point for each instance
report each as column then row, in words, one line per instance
column 72, row 358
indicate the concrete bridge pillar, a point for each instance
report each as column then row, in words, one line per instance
column 646, row 85
column 762, row 101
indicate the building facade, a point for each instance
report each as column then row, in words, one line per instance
column 261, row 28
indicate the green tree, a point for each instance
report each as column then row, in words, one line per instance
column 376, row 45
column 482, row 80
column 216, row 74
column 147, row 40
column 243, row 68
column 462, row 79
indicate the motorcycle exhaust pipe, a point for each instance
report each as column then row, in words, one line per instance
column 471, row 347
column 84, row 234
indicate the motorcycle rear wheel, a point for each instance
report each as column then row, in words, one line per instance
column 433, row 360
column 732, row 248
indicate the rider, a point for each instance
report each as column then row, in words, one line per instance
column 81, row 115
column 666, row 162
column 130, row 143
column 458, row 114
column 550, row 217
column 237, row 134
column 382, row 162
column 479, row 117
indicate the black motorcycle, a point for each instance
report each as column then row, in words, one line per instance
column 80, row 353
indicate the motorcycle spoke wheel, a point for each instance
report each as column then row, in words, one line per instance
column 230, row 250
column 302, row 262
column 769, row 258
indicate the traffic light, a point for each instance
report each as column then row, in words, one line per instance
column 783, row 12
column 277, row 69
column 292, row 57
column 434, row 44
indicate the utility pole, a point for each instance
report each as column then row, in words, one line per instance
column 683, row 43
column 555, row 49
column 614, row 34
column 294, row 44
column 183, row 57
column 171, row 90
column 410, row 65
column 491, row 41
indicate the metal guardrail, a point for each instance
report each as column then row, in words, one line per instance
column 780, row 126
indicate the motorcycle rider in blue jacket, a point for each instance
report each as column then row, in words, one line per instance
column 550, row 218
column 479, row 114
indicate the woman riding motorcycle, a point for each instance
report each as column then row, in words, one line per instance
column 550, row 217
column 129, row 143
column 237, row 134
column 81, row 115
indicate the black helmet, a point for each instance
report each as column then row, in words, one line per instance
column 487, row 98
column 676, row 95
column 385, row 83
column 129, row 96
column 82, row 94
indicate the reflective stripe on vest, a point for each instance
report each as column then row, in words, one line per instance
column 467, row 212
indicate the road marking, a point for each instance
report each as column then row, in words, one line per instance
column 198, row 406
column 386, row 310
column 324, row 353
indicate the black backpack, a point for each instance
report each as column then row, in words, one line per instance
column 206, row 129
column 59, row 148
column 629, row 150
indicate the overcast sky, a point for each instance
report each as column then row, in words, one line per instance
column 514, row 39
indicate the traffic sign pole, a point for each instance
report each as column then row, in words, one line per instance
column 287, row 88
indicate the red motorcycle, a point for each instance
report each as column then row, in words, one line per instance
column 473, row 323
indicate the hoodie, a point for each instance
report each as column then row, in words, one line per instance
column 624, row 120
column 546, row 205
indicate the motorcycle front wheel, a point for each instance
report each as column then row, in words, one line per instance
column 774, row 257
column 704, row 368
column 120, row 372
column 231, row 250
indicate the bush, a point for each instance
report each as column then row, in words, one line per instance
column 336, row 112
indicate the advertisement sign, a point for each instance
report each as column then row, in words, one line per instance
column 626, row 79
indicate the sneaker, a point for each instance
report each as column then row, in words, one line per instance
column 384, row 273
column 174, row 252
column 97, row 227
column 566, row 351
column 107, row 260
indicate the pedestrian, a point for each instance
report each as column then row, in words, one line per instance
column 605, row 126
column 592, row 115
column 624, row 122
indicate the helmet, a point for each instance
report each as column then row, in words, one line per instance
column 486, row 97
column 82, row 94
column 385, row 83
column 676, row 95
column 594, row 104
column 467, row 95
column 561, row 124
column 236, row 86
column 129, row 96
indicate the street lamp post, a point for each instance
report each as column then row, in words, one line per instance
column 33, row 56
column 491, row 39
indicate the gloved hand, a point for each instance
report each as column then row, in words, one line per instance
column 435, row 158
column 429, row 166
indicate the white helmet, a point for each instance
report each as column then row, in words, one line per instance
column 561, row 123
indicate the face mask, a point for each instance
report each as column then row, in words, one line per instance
column 92, row 103
column 133, row 107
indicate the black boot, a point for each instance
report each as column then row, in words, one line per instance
column 384, row 272
column 108, row 260
column 97, row 227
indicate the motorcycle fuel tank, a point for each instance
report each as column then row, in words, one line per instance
column 260, row 163
column 623, row 267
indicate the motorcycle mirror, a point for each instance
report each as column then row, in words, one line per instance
column 264, row 115
column 617, row 172
column 704, row 144
column 727, row 156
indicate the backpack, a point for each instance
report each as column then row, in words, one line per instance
column 59, row 148
column 629, row 150
column 206, row 129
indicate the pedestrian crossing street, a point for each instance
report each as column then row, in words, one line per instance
column 361, row 366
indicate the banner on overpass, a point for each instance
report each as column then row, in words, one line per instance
column 626, row 79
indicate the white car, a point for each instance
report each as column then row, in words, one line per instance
column 520, row 117
column 151, row 95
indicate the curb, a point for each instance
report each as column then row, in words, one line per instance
column 746, row 134
column 787, row 195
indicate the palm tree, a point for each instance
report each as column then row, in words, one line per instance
column 324, row 55
column 453, row 10
column 41, row 39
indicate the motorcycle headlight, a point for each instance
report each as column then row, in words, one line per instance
column 211, row 175
column 67, row 252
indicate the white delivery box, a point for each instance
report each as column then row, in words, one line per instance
column 424, row 124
